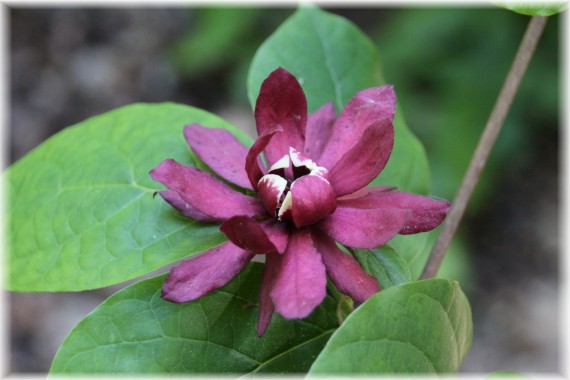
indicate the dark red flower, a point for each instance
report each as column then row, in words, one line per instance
column 310, row 195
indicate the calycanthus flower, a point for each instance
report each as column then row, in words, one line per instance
column 310, row 195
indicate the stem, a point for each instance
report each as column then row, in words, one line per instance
column 492, row 129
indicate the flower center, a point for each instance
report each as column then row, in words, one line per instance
column 296, row 189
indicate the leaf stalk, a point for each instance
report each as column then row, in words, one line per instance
column 486, row 143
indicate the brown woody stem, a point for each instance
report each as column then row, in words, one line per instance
column 492, row 129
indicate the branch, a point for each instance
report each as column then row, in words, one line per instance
column 492, row 129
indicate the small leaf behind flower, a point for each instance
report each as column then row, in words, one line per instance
column 385, row 264
column 137, row 332
column 419, row 327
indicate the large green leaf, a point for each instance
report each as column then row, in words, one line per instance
column 135, row 331
column 333, row 60
column 419, row 327
column 82, row 213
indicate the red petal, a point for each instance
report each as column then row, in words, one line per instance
column 425, row 213
column 252, row 165
column 365, row 160
column 364, row 228
column 364, row 109
column 204, row 192
column 367, row 190
column 221, row 151
column 312, row 199
column 199, row 276
column 345, row 271
column 178, row 203
column 301, row 283
column 277, row 233
column 248, row 234
column 266, row 307
column 281, row 103
column 319, row 129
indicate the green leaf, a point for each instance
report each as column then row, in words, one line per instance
column 82, row 213
column 135, row 331
column 333, row 60
column 412, row 247
column 385, row 264
column 419, row 327
column 535, row 8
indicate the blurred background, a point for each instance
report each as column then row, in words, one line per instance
column 447, row 65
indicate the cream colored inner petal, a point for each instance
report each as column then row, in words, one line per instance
column 298, row 161
column 275, row 182
column 282, row 163
column 286, row 205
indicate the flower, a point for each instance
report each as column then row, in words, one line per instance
column 310, row 196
